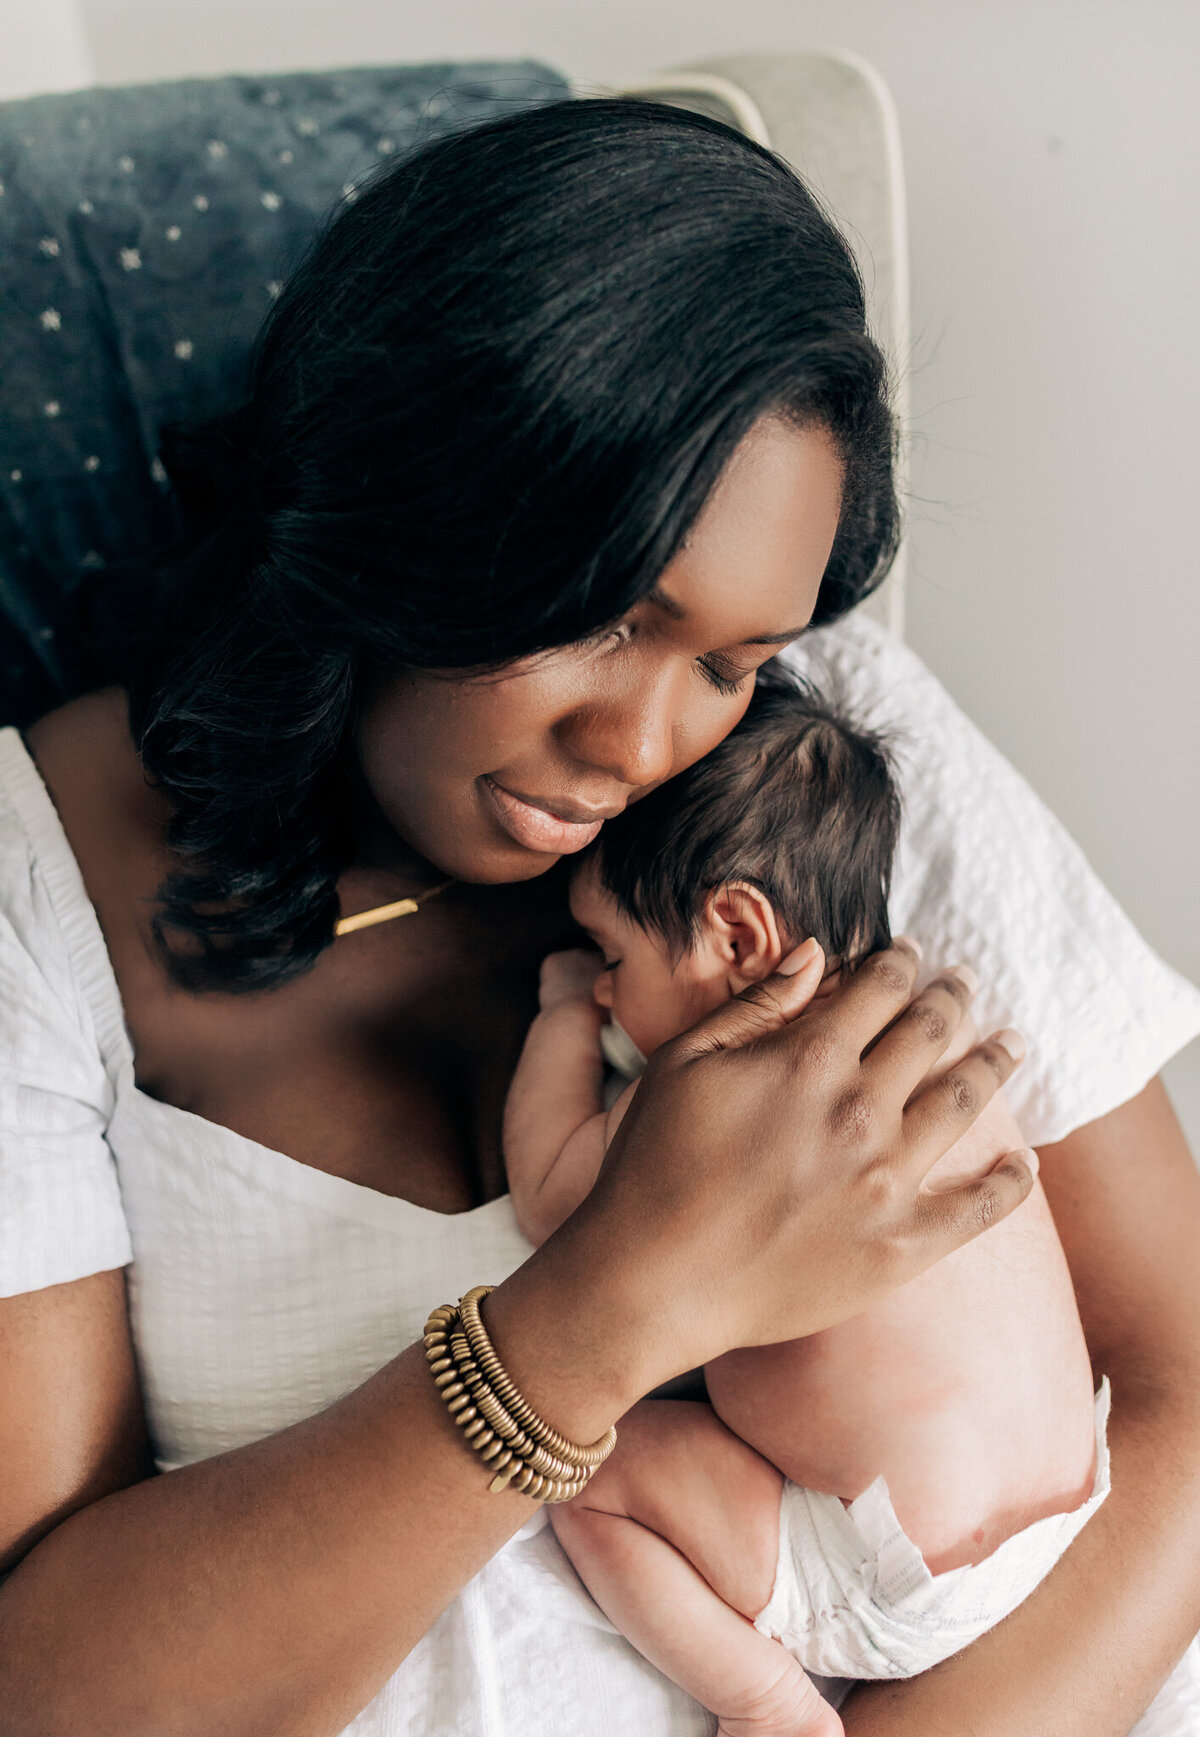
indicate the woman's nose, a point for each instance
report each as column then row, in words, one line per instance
column 603, row 989
column 630, row 737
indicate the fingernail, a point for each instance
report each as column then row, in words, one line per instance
column 799, row 957
column 1031, row 1158
column 965, row 976
column 913, row 946
column 1012, row 1041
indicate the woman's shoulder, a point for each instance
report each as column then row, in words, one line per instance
column 113, row 821
column 74, row 818
column 85, row 747
column 61, row 1041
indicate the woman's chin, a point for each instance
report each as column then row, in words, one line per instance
column 488, row 866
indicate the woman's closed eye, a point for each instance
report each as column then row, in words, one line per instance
column 715, row 668
column 722, row 675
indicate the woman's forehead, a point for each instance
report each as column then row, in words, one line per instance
column 755, row 556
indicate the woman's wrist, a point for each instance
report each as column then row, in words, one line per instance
column 575, row 1333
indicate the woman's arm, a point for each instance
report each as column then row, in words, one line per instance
column 1087, row 1653
column 274, row 1588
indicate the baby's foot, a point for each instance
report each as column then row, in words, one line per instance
column 789, row 1707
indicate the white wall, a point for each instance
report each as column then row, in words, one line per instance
column 43, row 47
column 1052, row 172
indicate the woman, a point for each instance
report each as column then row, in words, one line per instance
column 563, row 429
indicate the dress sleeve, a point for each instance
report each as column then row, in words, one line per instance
column 60, row 1207
column 987, row 876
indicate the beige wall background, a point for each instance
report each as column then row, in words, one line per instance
column 1053, row 161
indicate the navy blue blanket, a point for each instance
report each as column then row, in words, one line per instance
column 143, row 234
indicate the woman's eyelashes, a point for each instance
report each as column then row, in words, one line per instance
column 716, row 669
column 726, row 680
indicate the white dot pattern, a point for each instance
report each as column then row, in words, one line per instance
column 119, row 265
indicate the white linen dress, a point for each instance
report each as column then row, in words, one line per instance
column 262, row 1290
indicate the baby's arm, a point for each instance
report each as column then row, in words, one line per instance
column 556, row 1130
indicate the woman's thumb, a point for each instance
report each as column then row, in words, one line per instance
column 763, row 1007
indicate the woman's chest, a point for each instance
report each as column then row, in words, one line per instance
column 387, row 1066
column 263, row 1289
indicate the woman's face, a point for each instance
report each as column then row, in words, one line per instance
column 493, row 778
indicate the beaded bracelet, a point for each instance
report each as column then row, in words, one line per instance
column 503, row 1428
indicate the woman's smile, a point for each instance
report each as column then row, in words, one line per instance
column 541, row 825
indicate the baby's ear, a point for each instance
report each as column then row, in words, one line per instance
column 740, row 925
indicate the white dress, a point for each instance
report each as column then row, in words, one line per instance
column 262, row 1290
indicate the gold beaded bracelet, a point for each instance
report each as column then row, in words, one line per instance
column 503, row 1428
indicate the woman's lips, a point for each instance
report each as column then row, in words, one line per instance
column 536, row 828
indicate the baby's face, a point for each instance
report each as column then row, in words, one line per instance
column 653, row 999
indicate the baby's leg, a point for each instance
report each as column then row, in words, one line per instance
column 677, row 1539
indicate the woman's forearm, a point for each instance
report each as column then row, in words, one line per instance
column 276, row 1587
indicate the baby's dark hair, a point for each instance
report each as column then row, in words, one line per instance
column 798, row 800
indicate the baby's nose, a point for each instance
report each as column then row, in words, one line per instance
column 603, row 989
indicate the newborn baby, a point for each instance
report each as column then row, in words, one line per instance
column 878, row 1495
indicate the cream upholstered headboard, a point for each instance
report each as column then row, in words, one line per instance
column 830, row 115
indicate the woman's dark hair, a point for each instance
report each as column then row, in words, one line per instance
column 797, row 800
column 481, row 419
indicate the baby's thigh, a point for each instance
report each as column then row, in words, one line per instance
column 678, row 1471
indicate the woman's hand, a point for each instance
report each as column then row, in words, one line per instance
column 767, row 1181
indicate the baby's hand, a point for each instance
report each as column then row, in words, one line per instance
column 569, row 976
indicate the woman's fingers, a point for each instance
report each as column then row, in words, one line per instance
column 762, row 1008
column 906, row 1052
column 946, row 1221
column 869, row 1000
column 939, row 1115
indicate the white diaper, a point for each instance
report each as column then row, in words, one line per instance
column 853, row 1597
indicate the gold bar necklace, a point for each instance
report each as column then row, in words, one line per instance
column 385, row 913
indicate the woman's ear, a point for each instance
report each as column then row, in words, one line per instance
column 738, row 927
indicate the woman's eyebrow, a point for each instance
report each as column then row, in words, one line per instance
column 677, row 612
column 783, row 638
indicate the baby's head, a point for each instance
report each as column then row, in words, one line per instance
column 786, row 829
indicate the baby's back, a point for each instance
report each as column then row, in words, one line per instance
column 969, row 1389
